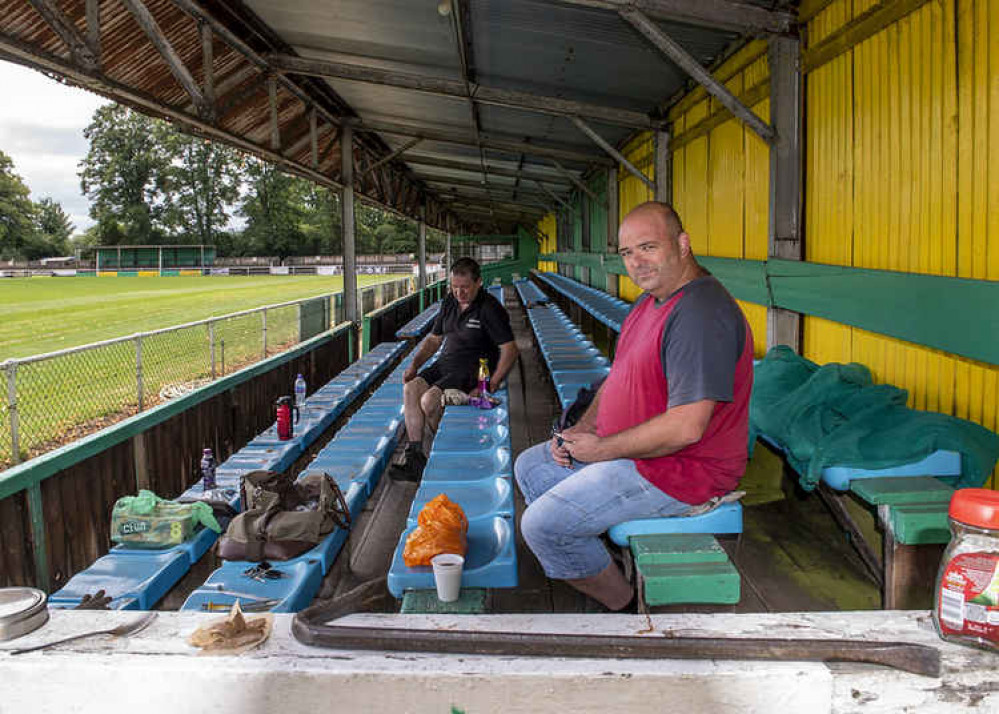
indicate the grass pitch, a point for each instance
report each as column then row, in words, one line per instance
column 48, row 314
column 64, row 398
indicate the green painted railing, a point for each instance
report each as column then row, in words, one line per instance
column 956, row 315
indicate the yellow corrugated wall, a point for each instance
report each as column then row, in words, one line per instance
column 902, row 173
column 546, row 226
column 640, row 151
column 721, row 180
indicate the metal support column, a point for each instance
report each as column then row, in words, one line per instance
column 422, row 249
column 664, row 168
column 613, row 216
column 347, row 210
column 784, row 240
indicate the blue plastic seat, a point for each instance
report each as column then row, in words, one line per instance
column 294, row 591
column 450, row 467
column 480, row 499
column 457, row 437
column 939, row 463
column 145, row 579
column 490, row 561
column 725, row 519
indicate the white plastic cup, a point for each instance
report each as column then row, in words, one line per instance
column 447, row 575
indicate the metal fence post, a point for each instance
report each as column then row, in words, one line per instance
column 264, row 316
column 211, row 346
column 15, row 441
column 299, row 322
column 138, row 369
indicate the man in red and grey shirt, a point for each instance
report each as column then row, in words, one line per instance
column 667, row 431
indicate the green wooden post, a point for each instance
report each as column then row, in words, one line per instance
column 366, row 335
column 39, row 545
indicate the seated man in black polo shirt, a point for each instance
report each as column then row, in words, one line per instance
column 471, row 324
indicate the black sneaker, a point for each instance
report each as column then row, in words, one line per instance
column 411, row 469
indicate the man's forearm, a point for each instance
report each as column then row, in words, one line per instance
column 662, row 435
column 425, row 351
column 508, row 355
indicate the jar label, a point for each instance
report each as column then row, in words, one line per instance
column 969, row 596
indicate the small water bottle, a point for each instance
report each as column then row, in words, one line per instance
column 300, row 391
column 208, row 470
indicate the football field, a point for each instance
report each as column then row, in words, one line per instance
column 48, row 314
column 63, row 398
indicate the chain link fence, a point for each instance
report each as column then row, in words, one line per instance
column 53, row 399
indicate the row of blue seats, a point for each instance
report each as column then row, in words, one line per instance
column 355, row 458
column 574, row 363
column 530, row 294
column 497, row 292
column 418, row 326
column 470, row 463
column 608, row 309
column 137, row 578
column 572, row 360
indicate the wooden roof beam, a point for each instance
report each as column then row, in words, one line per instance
column 459, row 90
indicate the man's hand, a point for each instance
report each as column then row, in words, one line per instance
column 559, row 453
column 585, row 446
column 409, row 374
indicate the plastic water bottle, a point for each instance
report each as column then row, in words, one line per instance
column 300, row 391
column 208, row 470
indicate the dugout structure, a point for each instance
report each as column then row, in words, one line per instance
column 154, row 259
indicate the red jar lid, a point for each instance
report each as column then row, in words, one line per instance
column 976, row 507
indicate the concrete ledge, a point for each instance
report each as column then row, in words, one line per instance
column 156, row 671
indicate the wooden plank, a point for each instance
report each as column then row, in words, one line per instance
column 55, row 534
column 835, row 503
column 15, row 555
column 910, row 570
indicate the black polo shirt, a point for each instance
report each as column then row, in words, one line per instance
column 476, row 332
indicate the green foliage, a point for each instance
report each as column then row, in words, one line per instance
column 275, row 210
column 18, row 227
column 150, row 184
column 55, row 227
column 125, row 174
column 204, row 180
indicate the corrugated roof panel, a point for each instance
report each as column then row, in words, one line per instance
column 372, row 101
column 579, row 53
column 394, row 30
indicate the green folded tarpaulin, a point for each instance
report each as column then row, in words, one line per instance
column 834, row 415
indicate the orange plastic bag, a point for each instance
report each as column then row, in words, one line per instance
column 441, row 528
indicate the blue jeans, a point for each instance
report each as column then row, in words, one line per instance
column 569, row 509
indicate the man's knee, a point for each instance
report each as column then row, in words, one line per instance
column 430, row 401
column 540, row 526
column 414, row 389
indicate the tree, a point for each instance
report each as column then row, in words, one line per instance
column 204, row 182
column 55, row 227
column 18, row 215
column 323, row 227
column 125, row 174
column 275, row 210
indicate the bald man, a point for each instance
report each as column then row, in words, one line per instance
column 668, row 429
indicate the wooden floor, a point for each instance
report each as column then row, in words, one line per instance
column 792, row 557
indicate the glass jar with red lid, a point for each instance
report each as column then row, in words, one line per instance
column 966, row 601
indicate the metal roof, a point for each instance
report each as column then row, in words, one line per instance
column 402, row 72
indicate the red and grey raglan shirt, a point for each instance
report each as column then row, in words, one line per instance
column 704, row 350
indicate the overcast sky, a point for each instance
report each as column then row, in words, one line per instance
column 41, row 130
